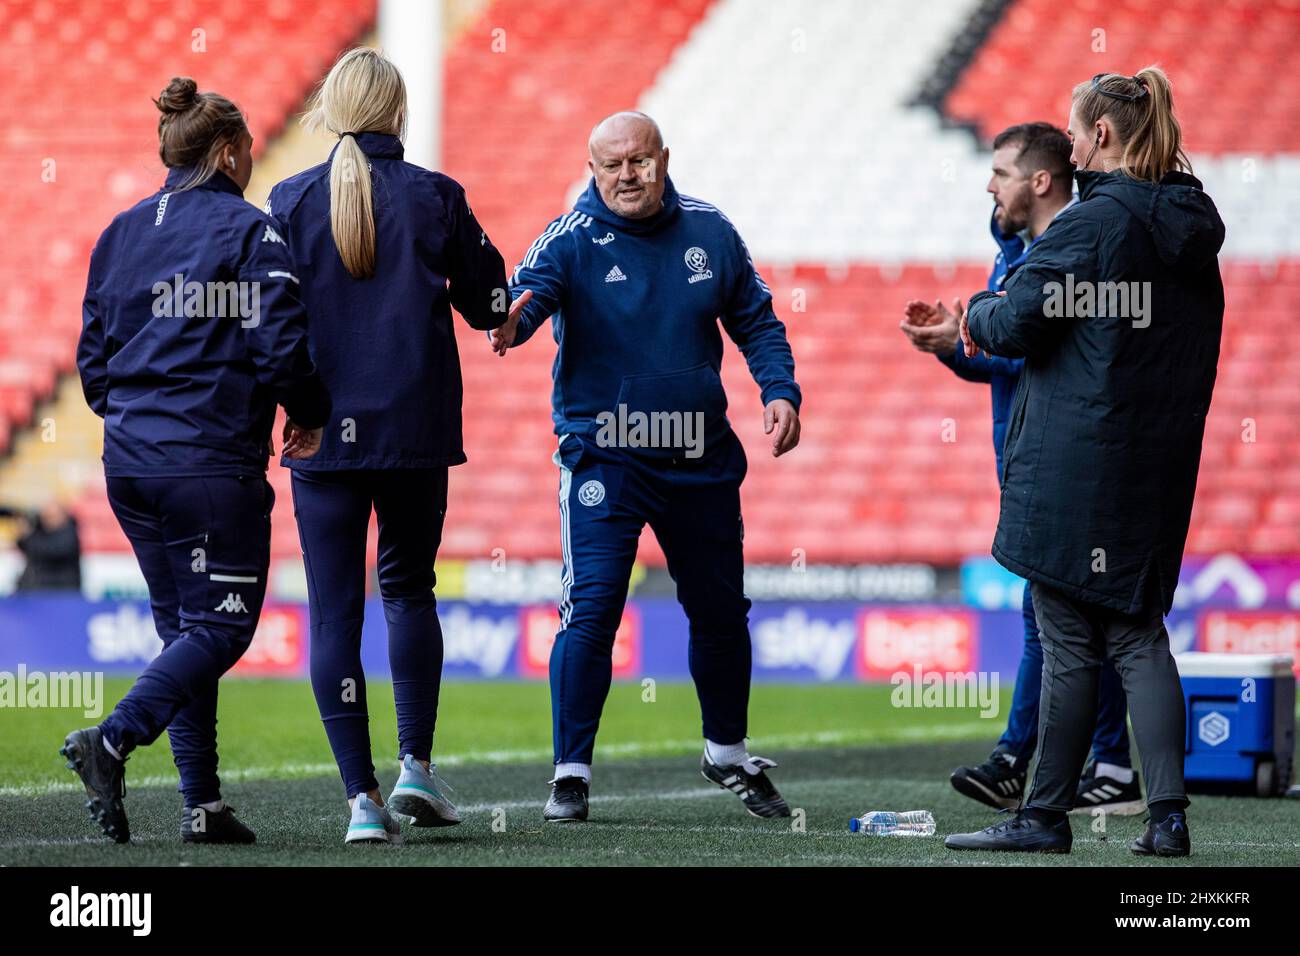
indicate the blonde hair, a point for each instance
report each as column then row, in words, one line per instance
column 1141, row 110
column 364, row 92
column 194, row 128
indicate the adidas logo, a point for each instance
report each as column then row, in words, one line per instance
column 233, row 604
column 272, row 236
column 615, row 275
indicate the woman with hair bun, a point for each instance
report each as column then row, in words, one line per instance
column 192, row 334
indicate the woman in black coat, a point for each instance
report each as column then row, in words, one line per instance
column 1118, row 313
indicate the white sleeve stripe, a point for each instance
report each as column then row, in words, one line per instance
column 568, row 224
column 279, row 274
column 545, row 238
column 555, row 224
column 542, row 241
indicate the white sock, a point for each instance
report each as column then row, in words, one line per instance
column 1122, row 774
column 563, row 770
column 216, row 806
column 109, row 748
column 726, row 755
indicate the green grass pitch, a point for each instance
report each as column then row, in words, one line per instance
column 843, row 750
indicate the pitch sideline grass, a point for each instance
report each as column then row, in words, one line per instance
column 646, row 809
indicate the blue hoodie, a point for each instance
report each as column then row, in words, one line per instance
column 183, row 393
column 635, row 305
column 1003, row 374
column 385, row 346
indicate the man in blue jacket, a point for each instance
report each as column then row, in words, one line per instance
column 1031, row 186
column 636, row 278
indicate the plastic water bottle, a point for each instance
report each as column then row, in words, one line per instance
column 909, row 823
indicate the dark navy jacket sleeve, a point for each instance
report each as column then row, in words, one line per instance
column 92, row 349
column 760, row 335
column 542, row 270
column 478, row 273
column 1017, row 325
column 981, row 368
column 276, row 337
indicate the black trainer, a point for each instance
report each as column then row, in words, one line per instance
column 1170, row 838
column 205, row 826
column 104, row 777
column 748, row 781
column 568, row 801
column 1107, row 793
column 996, row 783
column 1018, row 834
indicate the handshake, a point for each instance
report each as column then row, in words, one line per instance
column 503, row 336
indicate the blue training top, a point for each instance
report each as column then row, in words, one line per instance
column 192, row 331
column 635, row 305
column 385, row 345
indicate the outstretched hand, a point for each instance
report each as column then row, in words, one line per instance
column 504, row 336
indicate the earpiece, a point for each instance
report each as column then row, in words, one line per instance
column 230, row 161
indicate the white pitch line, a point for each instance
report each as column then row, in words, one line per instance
column 625, row 750
column 690, row 793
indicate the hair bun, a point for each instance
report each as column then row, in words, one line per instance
column 181, row 95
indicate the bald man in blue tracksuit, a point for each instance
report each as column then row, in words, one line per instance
column 635, row 279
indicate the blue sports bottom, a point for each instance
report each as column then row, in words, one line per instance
column 204, row 546
column 1109, row 739
column 693, row 506
column 333, row 511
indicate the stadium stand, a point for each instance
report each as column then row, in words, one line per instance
column 853, row 188
column 79, row 149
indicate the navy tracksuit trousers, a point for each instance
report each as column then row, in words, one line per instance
column 333, row 511
column 607, row 495
column 204, row 546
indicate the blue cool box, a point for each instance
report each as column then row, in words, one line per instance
column 1240, row 721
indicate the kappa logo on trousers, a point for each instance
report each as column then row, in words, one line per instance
column 233, row 604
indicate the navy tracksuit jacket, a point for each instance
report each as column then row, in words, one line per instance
column 192, row 333
column 1020, row 739
column 635, row 306
column 386, row 349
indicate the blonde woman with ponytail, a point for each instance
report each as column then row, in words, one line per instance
column 1118, row 314
column 384, row 250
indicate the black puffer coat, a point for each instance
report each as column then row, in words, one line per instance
column 1104, row 442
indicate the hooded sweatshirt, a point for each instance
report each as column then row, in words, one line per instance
column 1118, row 314
column 635, row 305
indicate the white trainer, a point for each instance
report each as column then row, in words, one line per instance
column 372, row 823
column 422, row 795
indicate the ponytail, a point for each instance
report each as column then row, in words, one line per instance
column 352, row 211
column 364, row 92
column 1141, row 111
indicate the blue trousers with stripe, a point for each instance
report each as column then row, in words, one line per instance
column 607, row 496
column 333, row 511
column 204, row 546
